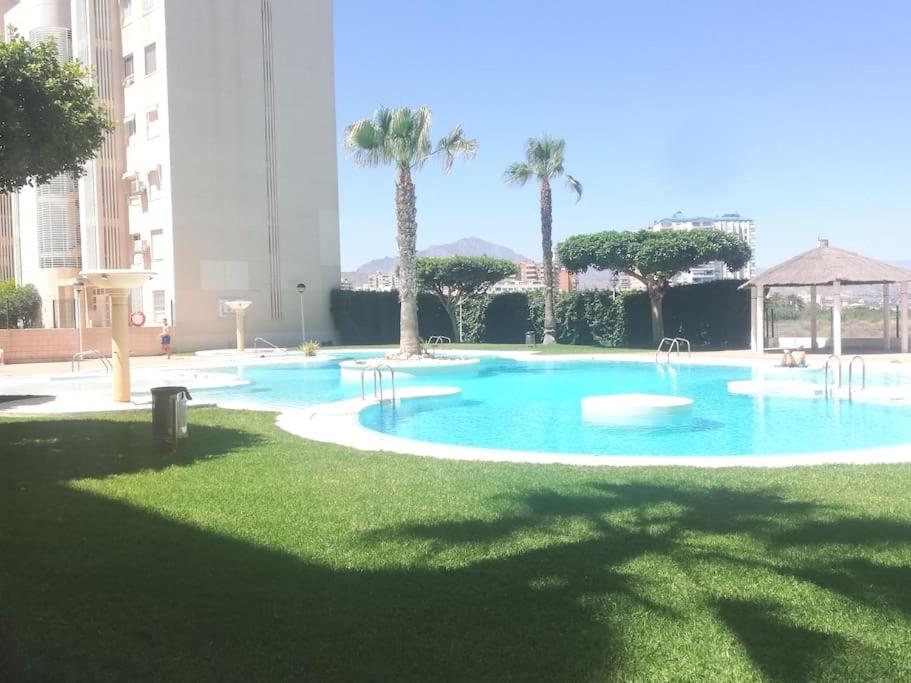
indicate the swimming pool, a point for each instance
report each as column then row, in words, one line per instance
column 536, row 407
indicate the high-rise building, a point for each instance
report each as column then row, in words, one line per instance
column 220, row 177
column 731, row 223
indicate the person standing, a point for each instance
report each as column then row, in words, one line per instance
column 165, row 337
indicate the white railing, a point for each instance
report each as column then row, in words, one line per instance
column 76, row 361
column 267, row 345
column 827, row 390
column 377, row 371
column 673, row 344
column 863, row 380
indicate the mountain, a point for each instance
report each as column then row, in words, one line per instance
column 467, row 246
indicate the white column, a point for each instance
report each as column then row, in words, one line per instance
column 754, row 347
column 120, row 343
column 814, row 311
column 887, row 336
column 836, row 319
column 903, row 303
column 239, row 315
column 760, row 319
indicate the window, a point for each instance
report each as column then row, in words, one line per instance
column 157, row 245
column 158, row 312
column 128, row 69
column 154, row 185
column 148, row 5
column 129, row 128
column 151, row 59
column 126, row 11
column 152, row 122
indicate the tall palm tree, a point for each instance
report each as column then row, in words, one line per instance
column 544, row 162
column 401, row 138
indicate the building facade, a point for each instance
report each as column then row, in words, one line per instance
column 731, row 223
column 221, row 175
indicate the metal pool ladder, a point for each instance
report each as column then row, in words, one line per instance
column 827, row 389
column 378, row 371
column 76, row 361
column 673, row 344
column 863, row 377
column 266, row 343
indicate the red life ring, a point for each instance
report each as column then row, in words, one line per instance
column 137, row 319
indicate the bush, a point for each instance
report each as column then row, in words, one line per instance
column 373, row 317
column 19, row 303
column 714, row 314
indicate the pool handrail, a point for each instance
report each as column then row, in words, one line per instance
column 79, row 356
column 826, row 390
column 266, row 342
column 863, row 382
column 378, row 375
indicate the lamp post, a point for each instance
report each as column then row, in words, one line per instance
column 79, row 288
column 301, row 288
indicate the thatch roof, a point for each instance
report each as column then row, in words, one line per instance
column 824, row 265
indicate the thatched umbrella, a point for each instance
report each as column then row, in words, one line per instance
column 829, row 266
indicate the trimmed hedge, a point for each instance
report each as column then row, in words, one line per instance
column 714, row 314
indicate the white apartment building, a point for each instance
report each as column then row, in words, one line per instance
column 221, row 176
column 731, row 223
column 381, row 282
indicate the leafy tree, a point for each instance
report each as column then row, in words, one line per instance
column 51, row 121
column 544, row 162
column 455, row 280
column 653, row 258
column 401, row 138
column 19, row 303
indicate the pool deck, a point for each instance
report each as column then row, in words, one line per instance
column 339, row 422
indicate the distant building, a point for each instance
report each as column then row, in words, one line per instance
column 381, row 282
column 532, row 273
column 731, row 223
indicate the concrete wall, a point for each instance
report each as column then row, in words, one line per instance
column 35, row 345
column 252, row 168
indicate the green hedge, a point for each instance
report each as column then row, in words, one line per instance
column 714, row 314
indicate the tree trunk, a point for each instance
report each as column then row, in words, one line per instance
column 449, row 307
column 406, row 237
column 548, row 260
column 656, row 297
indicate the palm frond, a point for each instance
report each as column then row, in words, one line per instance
column 545, row 156
column 455, row 144
column 366, row 143
column 575, row 186
column 517, row 174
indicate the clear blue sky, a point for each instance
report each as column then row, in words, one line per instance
column 796, row 114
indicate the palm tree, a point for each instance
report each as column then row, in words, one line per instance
column 544, row 162
column 401, row 138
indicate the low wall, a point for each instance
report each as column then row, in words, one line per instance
column 35, row 345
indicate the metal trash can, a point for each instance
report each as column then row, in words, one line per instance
column 530, row 338
column 169, row 414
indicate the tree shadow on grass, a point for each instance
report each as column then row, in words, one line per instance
column 766, row 633
column 97, row 589
column 655, row 519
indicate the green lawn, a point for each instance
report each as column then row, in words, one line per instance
column 259, row 556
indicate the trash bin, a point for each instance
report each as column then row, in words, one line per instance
column 169, row 414
column 530, row 338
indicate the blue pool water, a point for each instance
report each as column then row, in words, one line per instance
column 536, row 407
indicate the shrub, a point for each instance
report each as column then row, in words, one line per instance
column 714, row 314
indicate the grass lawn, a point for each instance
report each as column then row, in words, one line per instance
column 259, row 556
